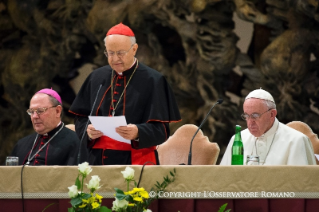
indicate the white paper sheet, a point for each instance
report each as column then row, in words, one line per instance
column 317, row 156
column 107, row 125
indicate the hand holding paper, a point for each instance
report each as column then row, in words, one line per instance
column 108, row 124
column 129, row 132
column 93, row 133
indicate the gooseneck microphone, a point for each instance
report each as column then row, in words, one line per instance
column 87, row 123
column 219, row 101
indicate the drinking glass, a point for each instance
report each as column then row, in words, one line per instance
column 12, row 161
column 252, row 160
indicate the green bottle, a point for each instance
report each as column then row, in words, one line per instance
column 237, row 157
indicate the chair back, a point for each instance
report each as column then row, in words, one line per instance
column 305, row 129
column 175, row 150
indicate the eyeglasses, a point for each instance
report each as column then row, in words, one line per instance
column 39, row 110
column 118, row 53
column 253, row 116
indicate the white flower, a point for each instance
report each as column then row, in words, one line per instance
column 119, row 204
column 73, row 191
column 128, row 173
column 94, row 183
column 147, row 210
column 85, row 169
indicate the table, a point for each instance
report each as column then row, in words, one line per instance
column 196, row 188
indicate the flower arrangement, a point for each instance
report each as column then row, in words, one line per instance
column 86, row 202
column 137, row 199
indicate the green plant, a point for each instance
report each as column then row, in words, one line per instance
column 223, row 207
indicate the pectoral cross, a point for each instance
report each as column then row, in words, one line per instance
column 113, row 113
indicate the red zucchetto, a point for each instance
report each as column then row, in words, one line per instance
column 120, row 29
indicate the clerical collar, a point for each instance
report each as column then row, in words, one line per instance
column 271, row 131
column 128, row 71
column 53, row 131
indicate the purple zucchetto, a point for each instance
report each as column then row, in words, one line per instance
column 52, row 93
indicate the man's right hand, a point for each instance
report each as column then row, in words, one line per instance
column 93, row 133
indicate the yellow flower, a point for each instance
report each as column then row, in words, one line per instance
column 99, row 197
column 138, row 189
column 129, row 192
column 91, row 200
column 85, row 201
column 95, row 205
column 82, row 206
column 144, row 194
column 131, row 204
column 138, row 199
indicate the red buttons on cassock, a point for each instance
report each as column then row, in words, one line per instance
column 118, row 84
column 114, row 100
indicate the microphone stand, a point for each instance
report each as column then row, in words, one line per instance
column 87, row 123
column 219, row 101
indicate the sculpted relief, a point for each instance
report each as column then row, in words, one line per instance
column 192, row 42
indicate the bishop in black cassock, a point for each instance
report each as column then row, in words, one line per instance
column 52, row 143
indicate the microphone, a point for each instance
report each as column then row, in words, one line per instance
column 87, row 123
column 219, row 101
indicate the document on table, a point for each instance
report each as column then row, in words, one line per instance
column 107, row 125
column 317, row 156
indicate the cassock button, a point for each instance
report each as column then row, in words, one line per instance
column 114, row 100
column 104, row 157
column 118, row 84
column 116, row 92
column 42, row 142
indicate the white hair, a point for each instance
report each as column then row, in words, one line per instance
column 132, row 38
column 270, row 104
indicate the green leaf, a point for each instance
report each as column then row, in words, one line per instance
column 118, row 191
column 76, row 201
column 129, row 198
column 78, row 183
column 227, row 210
column 48, row 206
column 223, row 207
column 171, row 174
column 71, row 210
column 105, row 209
column 120, row 196
column 86, row 196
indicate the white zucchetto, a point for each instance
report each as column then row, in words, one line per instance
column 260, row 94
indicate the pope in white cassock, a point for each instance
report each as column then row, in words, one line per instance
column 274, row 142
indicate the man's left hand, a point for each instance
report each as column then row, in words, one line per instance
column 129, row 132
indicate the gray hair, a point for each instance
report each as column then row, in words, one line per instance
column 132, row 38
column 55, row 103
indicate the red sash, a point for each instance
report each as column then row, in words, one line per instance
column 138, row 156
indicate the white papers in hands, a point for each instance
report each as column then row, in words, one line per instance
column 107, row 125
